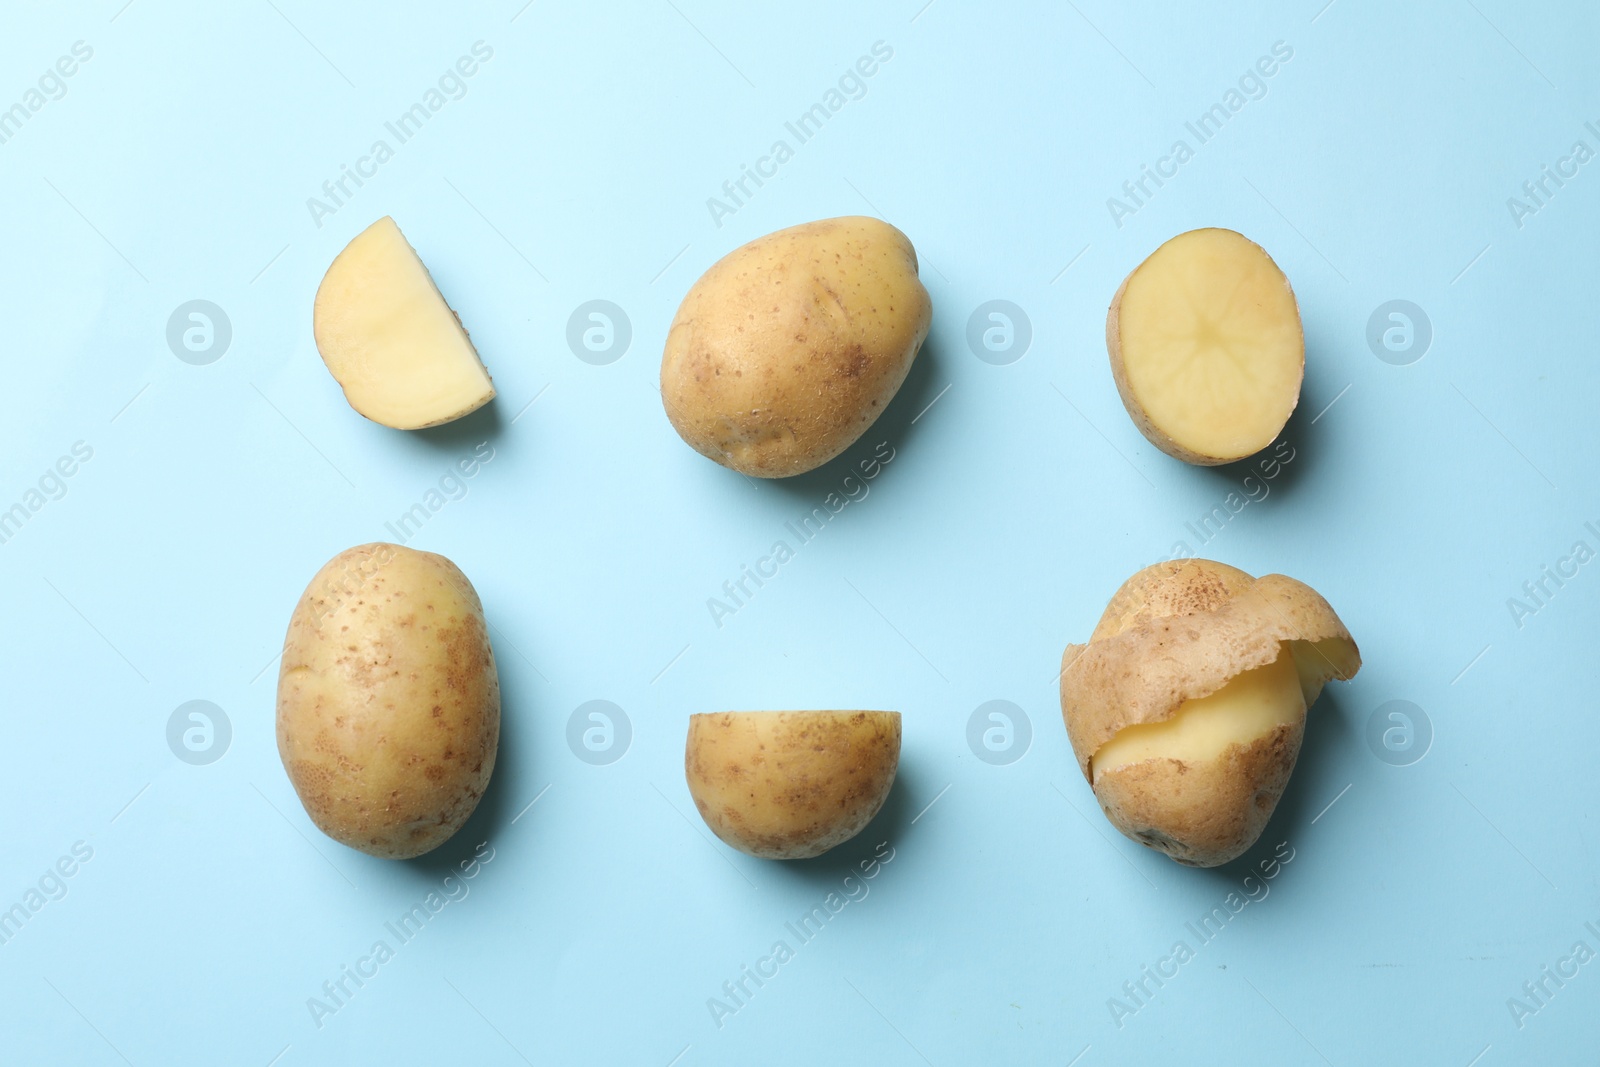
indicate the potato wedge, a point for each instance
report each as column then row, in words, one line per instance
column 389, row 339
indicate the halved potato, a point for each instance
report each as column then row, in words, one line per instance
column 390, row 340
column 1206, row 347
column 791, row 784
column 1187, row 707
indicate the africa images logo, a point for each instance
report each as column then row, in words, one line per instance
column 51, row 85
column 338, row 991
column 854, row 490
column 451, row 85
column 852, row 85
column 1251, row 85
column 1138, row 992
column 737, row 992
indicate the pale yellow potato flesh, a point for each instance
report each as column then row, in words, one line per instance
column 788, row 348
column 790, row 784
column 388, row 717
column 390, row 340
column 1206, row 347
column 1320, row 661
column 1249, row 706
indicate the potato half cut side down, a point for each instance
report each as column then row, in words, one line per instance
column 791, row 784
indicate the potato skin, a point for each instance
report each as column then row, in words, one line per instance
column 791, row 784
column 1119, row 370
column 1203, row 813
column 1178, row 631
column 1181, row 630
column 388, row 716
column 788, row 348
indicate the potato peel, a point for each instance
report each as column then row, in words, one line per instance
column 1180, row 631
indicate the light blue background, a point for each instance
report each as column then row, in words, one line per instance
column 577, row 166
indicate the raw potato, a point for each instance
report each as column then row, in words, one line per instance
column 1187, row 707
column 390, row 340
column 788, row 348
column 388, row 700
column 1206, row 347
column 791, row 784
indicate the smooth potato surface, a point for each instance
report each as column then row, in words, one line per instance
column 791, row 784
column 388, row 700
column 787, row 349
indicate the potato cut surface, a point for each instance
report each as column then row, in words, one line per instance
column 1247, row 707
column 389, row 338
column 1206, row 347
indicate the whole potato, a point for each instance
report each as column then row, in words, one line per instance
column 388, row 700
column 791, row 784
column 1187, row 706
column 788, row 348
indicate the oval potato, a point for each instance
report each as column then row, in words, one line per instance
column 791, row 784
column 786, row 350
column 388, row 700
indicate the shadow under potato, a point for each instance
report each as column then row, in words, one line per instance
column 1271, row 474
column 893, row 426
column 1303, row 799
column 893, row 821
column 1246, row 474
column 460, row 435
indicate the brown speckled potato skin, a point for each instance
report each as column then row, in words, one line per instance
column 791, row 784
column 1178, row 631
column 388, row 700
column 1206, row 813
column 790, row 347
